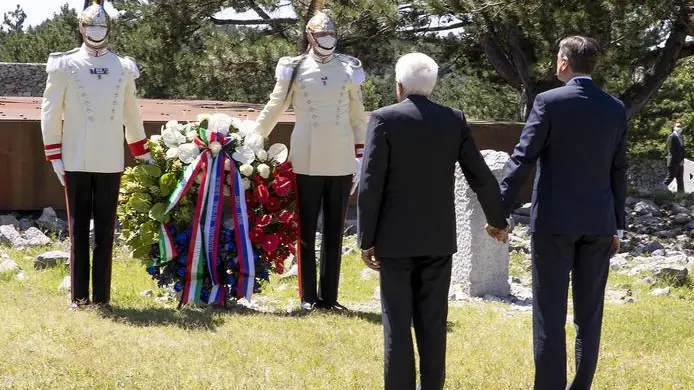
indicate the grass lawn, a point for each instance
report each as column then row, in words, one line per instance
column 648, row 344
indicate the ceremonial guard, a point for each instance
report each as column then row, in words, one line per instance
column 325, row 149
column 89, row 96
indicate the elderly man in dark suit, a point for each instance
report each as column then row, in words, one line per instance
column 407, row 217
column 577, row 136
column 675, row 158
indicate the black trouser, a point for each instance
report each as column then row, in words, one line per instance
column 91, row 195
column 587, row 258
column 675, row 172
column 333, row 193
column 415, row 290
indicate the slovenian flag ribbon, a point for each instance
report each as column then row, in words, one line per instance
column 207, row 222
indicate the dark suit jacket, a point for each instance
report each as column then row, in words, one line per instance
column 675, row 150
column 577, row 136
column 406, row 195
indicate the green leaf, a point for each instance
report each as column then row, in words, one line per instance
column 140, row 202
column 167, row 183
column 151, row 170
column 157, row 212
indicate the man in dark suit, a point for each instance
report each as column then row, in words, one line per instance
column 577, row 136
column 675, row 158
column 406, row 217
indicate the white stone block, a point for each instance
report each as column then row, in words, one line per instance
column 480, row 266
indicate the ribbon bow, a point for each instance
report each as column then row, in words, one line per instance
column 207, row 221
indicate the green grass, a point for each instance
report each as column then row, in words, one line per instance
column 146, row 345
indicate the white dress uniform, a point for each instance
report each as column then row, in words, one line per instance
column 89, row 96
column 327, row 140
column 330, row 115
column 87, row 101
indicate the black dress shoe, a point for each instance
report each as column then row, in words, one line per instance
column 334, row 307
column 307, row 306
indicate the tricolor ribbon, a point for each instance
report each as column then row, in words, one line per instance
column 204, row 240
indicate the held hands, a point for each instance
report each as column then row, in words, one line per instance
column 498, row 234
column 370, row 259
column 59, row 170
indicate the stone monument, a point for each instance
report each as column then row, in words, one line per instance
column 480, row 267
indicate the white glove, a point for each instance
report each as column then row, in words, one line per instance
column 356, row 177
column 59, row 169
column 146, row 158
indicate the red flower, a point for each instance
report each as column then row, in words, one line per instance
column 270, row 242
column 282, row 186
column 286, row 217
column 264, row 220
column 279, row 267
column 257, row 236
column 261, row 194
column 284, row 168
column 250, row 199
column 274, row 204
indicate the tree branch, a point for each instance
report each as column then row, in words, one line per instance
column 437, row 28
column 250, row 22
column 261, row 12
column 636, row 96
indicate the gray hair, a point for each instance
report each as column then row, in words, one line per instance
column 417, row 73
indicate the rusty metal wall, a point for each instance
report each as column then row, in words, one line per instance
column 27, row 181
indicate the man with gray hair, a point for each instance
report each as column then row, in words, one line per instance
column 576, row 134
column 407, row 227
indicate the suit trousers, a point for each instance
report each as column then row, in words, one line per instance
column 675, row 172
column 333, row 193
column 91, row 195
column 415, row 291
column 554, row 257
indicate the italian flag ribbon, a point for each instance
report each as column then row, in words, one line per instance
column 207, row 221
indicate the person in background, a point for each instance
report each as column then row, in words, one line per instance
column 675, row 158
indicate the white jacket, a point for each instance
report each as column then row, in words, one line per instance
column 87, row 101
column 330, row 115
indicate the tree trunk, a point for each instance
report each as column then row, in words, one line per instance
column 636, row 96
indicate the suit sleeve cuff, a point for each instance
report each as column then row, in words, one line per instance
column 620, row 234
column 359, row 150
column 138, row 148
column 53, row 152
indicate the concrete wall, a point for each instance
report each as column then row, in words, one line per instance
column 22, row 79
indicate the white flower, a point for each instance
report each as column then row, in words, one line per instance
column 173, row 125
column 236, row 137
column 215, row 147
column 219, row 123
column 155, row 138
column 246, row 184
column 172, row 153
column 188, row 152
column 244, row 155
column 263, row 170
column 190, row 135
column 246, row 170
column 236, row 123
column 202, row 117
column 254, row 141
column 262, row 155
column 227, row 165
column 278, row 152
column 170, row 137
column 248, row 127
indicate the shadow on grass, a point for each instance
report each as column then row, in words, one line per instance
column 209, row 318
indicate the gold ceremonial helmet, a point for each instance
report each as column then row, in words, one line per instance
column 95, row 25
column 94, row 15
column 321, row 22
